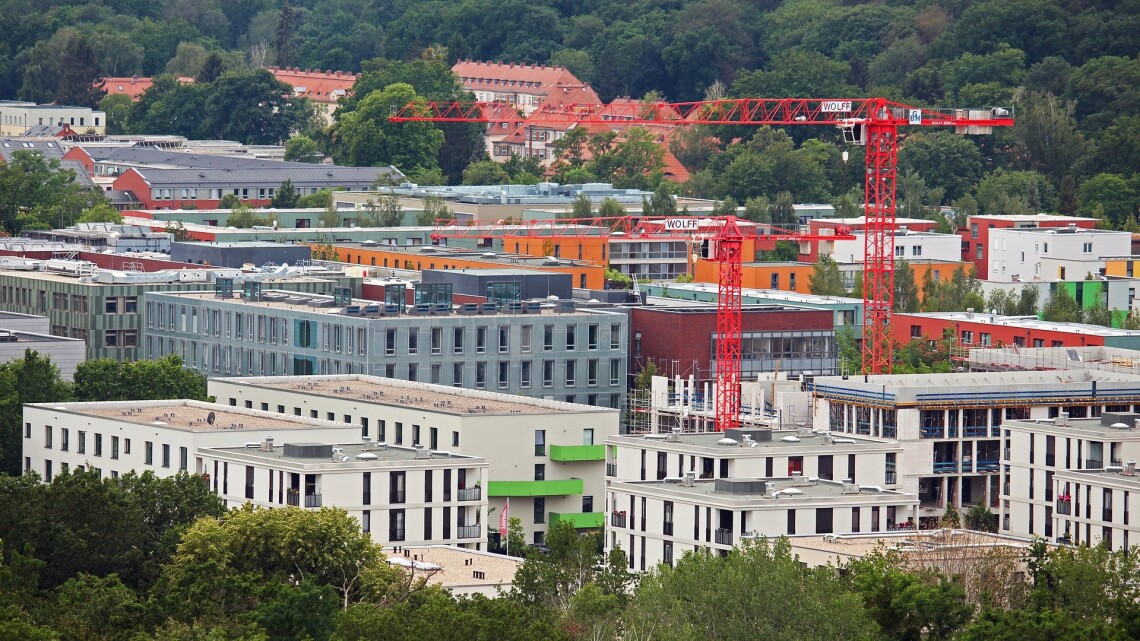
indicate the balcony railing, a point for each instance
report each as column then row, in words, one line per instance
column 249, row 490
column 395, row 534
column 890, row 478
column 723, row 536
column 312, row 500
column 945, row 467
column 987, row 466
column 618, row 519
column 975, row 431
column 469, row 494
column 667, row 528
column 932, row 432
column 469, row 531
column 1106, row 515
column 1064, row 507
column 292, row 498
column 396, row 496
column 1094, row 464
column 611, row 469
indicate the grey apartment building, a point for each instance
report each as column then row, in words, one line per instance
column 103, row 307
column 551, row 352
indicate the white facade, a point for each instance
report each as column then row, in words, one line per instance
column 547, row 457
column 17, row 117
column 1100, row 507
column 909, row 245
column 400, row 495
column 1050, row 254
column 1037, row 453
column 163, row 437
column 658, row 521
column 950, row 426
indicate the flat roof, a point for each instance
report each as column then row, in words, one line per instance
column 772, row 294
column 708, row 441
column 1113, row 475
column 193, row 416
column 442, row 399
column 456, row 567
column 789, row 490
column 1024, row 322
column 373, row 452
column 1023, row 218
column 1083, row 426
column 979, row 379
column 1059, row 231
column 300, row 301
column 857, row 545
column 486, row 255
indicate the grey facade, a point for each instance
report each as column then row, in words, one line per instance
column 576, row 356
column 107, row 316
column 238, row 254
column 532, row 284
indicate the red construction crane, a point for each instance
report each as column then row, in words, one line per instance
column 722, row 240
column 873, row 122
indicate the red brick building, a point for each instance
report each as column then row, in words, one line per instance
column 970, row 329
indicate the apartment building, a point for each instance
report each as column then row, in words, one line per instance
column 525, row 86
column 951, row 425
column 976, row 244
column 103, row 307
column 543, row 351
column 1098, row 506
column 400, row 495
column 1052, row 254
column 17, row 117
column 547, row 457
column 658, row 521
column 1037, row 452
column 974, row 329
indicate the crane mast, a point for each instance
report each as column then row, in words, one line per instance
column 870, row 122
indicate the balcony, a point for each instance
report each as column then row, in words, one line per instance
column 534, row 488
column 1064, row 508
column 618, row 519
column 611, row 469
column 975, row 431
column 987, row 466
column 312, row 500
column 469, row 532
column 580, row 520
column 722, row 536
column 292, row 497
column 945, row 467
column 1094, row 464
column 469, row 494
column 574, row 453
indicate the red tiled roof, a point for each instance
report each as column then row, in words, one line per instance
column 133, row 87
column 318, row 86
column 535, row 79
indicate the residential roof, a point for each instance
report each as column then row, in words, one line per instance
column 133, row 87
column 172, row 159
column 194, row 416
column 906, row 541
column 45, row 148
column 955, row 381
column 456, row 567
column 374, row 453
column 441, row 399
column 790, row 491
column 299, row 174
column 1027, row 218
column 709, row 442
column 327, row 86
column 1024, row 322
column 514, row 77
column 1088, row 427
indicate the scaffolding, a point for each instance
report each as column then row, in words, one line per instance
column 1014, row 358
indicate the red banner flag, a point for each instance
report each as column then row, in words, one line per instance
column 505, row 519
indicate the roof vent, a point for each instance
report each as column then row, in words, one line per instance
column 267, row 445
column 688, row 479
column 422, row 452
column 1129, row 468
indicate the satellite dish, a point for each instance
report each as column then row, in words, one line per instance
column 210, row 418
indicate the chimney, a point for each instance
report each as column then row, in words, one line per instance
column 1129, row 468
column 1062, row 419
column 969, row 312
column 267, row 446
column 688, row 479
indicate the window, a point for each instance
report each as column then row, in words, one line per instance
column 615, row 371
column 775, row 281
column 548, row 373
column 916, row 250
column 480, row 375
column 540, row 442
column 428, row 485
column 114, row 447
column 413, row 340
column 540, row 471
column 64, row 439
column 592, row 337
column 1087, row 248
column 525, row 338
column 480, row 340
column 504, row 374
column 524, row 377
column 396, row 487
column 548, row 338
column 823, row 520
column 399, row 433
column 900, row 250
column 457, row 340
column 165, row 454
column 437, row 340
column 592, row 372
column 390, row 342
column 504, row 339
column 792, row 281
column 98, row 445
column 539, row 509
column 615, row 336
column 47, row 436
column 82, row 441
column 395, row 525
column 571, row 373
column 183, row 458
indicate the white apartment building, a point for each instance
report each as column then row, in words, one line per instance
column 17, row 117
column 401, row 495
column 1099, row 506
column 1038, row 452
column 658, row 521
column 909, row 245
column 161, row 436
column 546, row 457
column 1051, row 254
column 950, row 426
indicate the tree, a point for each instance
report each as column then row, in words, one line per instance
column 287, row 22
column 906, row 290
column 486, row 172
column 285, row 196
column 1115, row 195
column 93, row 607
column 244, row 217
column 582, row 207
column 118, row 110
column 212, row 69
column 610, row 208
column 909, row 605
column 435, row 211
column 943, row 160
column 826, row 280
column 254, row 108
column 365, row 137
column 1008, row 192
column 229, row 201
column 661, row 203
column 301, row 148
column 1061, row 307
column 37, row 193
column 391, row 212
column 772, row 597
column 979, row 517
column 101, row 213
column 31, row 379
column 79, row 76
column 106, row 379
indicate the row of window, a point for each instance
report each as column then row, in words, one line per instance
column 118, row 446
column 460, row 340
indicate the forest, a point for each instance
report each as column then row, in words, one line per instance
column 1068, row 68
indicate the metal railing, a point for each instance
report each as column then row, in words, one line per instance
column 468, row 531
column 1094, row 464
column 944, row 467
column 611, row 469
column 396, row 496
column 618, row 519
column 312, row 500
column 469, row 494
column 667, row 528
column 396, row 534
column 722, row 536
column 1064, row 507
